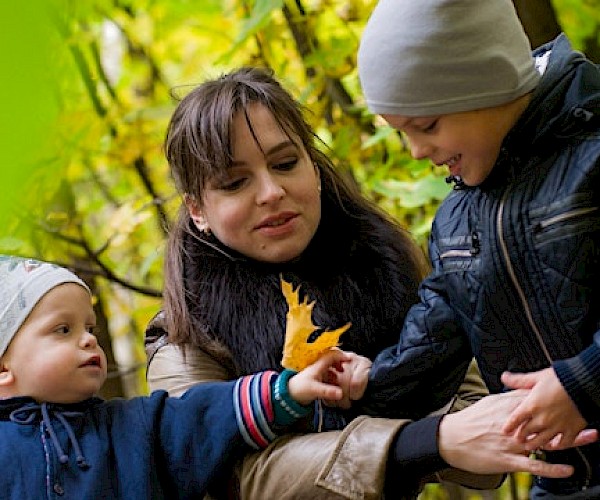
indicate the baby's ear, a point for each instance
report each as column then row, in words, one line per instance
column 6, row 376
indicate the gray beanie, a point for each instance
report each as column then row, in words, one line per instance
column 23, row 282
column 434, row 57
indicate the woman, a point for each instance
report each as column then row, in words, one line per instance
column 261, row 203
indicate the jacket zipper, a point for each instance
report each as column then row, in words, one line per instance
column 566, row 216
column 462, row 252
column 456, row 253
column 523, row 299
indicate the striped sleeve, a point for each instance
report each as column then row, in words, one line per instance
column 252, row 401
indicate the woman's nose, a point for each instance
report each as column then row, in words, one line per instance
column 269, row 190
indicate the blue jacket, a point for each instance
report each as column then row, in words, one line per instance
column 144, row 448
column 516, row 264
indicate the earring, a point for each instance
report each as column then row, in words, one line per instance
column 319, row 188
column 201, row 224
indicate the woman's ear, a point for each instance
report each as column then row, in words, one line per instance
column 195, row 213
column 318, row 171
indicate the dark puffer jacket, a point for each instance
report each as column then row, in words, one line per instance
column 516, row 263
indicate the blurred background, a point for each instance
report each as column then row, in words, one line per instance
column 87, row 88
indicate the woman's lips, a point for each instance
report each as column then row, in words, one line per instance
column 277, row 225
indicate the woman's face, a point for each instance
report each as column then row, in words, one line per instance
column 269, row 206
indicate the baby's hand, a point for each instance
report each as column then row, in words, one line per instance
column 352, row 377
column 547, row 417
column 315, row 381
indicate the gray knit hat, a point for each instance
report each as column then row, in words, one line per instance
column 23, row 282
column 433, row 57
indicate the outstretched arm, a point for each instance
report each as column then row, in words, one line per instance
column 424, row 370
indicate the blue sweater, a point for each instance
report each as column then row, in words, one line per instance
column 147, row 447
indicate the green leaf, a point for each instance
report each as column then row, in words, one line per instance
column 259, row 18
column 414, row 194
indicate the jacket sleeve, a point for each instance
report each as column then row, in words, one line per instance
column 189, row 450
column 348, row 464
column 579, row 376
column 424, row 369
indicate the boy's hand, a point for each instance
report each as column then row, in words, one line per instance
column 352, row 377
column 473, row 440
column 314, row 382
column 547, row 418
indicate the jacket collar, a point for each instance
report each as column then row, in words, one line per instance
column 26, row 411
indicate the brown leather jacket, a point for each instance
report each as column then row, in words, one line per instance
column 348, row 464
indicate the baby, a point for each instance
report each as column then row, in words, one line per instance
column 57, row 438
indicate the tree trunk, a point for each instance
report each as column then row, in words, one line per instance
column 539, row 20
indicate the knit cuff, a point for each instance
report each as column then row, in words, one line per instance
column 287, row 409
column 252, row 402
column 416, row 451
column 579, row 376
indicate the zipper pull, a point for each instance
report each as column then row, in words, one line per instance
column 475, row 243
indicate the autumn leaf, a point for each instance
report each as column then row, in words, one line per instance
column 298, row 352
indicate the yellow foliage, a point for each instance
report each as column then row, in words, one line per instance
column 298, row 352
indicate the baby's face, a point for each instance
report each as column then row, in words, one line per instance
column 468, row 143
column 55, row 355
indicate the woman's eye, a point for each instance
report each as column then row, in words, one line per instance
column 232, row 185
column 286, row 165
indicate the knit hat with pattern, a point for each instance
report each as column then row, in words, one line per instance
column 23, row 282
column 433, row 57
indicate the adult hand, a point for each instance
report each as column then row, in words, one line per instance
column 546, row 414
column 473, row 440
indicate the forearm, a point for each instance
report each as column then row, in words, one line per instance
column 425, row 369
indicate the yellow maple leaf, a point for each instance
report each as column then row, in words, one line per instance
column 298, row 352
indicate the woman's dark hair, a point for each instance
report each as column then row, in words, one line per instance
column 198, row 148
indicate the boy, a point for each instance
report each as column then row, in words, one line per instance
column 57, row 439
column 515, row 248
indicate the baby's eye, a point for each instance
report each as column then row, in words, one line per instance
column 92, row 329
column 63, row 329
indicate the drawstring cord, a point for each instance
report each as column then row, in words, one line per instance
column 28, row 414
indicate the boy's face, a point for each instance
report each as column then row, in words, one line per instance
column 54, row 356
column 468, row 142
